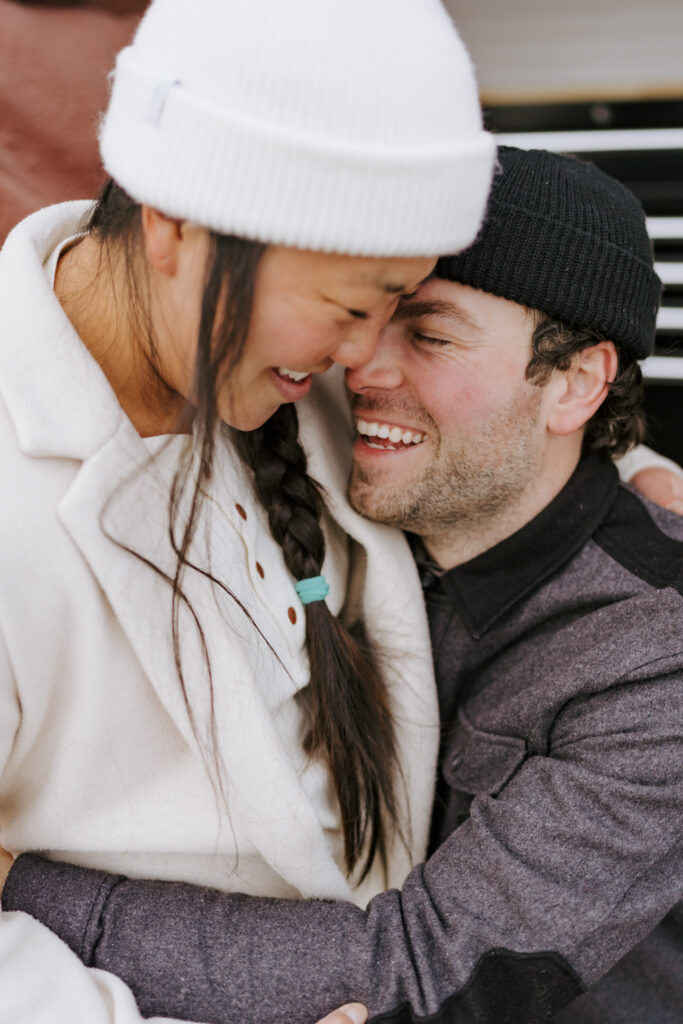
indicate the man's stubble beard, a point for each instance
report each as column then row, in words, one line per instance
column 470, row 481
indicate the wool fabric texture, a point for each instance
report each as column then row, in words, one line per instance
column 348, row 126
column 562, row 237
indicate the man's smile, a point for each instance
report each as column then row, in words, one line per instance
column 388, row 436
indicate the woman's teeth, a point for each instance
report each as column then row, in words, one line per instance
column 395, row 435
column 292, row 374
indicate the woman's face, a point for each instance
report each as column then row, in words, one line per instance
column 310, row 310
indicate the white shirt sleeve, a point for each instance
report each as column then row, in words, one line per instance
column 644, row 458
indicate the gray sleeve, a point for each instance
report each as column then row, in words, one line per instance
column 529, row 901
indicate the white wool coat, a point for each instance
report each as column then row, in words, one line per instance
column 99, row 762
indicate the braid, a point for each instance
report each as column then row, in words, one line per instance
column 351, row 725
column 290, row 497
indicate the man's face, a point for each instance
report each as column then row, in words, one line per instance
column 449, row 370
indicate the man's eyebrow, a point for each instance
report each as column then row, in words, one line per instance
column 435, row 307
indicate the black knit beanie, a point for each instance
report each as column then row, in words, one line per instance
column 564, row 238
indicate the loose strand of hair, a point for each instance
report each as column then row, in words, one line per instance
column 116, row 220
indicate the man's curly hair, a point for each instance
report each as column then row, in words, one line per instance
column 619, row 423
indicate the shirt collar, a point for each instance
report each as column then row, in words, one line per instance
column 489, row 585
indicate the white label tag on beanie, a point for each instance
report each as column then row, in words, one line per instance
column 157, row 100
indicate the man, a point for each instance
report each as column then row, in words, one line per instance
column 554, row 599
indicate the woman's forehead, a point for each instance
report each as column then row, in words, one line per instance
column 390, row 275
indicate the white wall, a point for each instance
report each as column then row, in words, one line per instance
column 564, row 49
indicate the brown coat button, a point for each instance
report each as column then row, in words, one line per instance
column 259, row 570
column 292, row 615
column 240, row 511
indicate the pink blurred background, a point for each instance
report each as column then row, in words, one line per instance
column 54, row 60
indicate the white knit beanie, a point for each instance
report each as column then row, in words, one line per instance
column 349, row 126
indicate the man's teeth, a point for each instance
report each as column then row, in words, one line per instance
column 292, row 374
column 393, row 434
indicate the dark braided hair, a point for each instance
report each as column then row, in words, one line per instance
column 350, row 721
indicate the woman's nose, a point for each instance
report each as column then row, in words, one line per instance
column 383, row 370
column 359, row 345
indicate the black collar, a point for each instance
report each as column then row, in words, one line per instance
column 489, row 585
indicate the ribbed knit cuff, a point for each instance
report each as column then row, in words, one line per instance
column 68, row 900
column 564, row 272
column 563, row 238
column 238, row 175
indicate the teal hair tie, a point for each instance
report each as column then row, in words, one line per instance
column 315, row 588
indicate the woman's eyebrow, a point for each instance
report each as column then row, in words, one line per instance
column 436, row 307
column 390, row 287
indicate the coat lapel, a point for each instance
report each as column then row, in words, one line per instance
column 264, row 797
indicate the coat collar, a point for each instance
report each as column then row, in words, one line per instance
column 59, row 399
column 488, row 586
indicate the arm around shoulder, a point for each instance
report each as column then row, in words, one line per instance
column 532, row 899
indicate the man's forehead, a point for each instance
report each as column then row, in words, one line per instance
column 416, row 308
column 438, row 297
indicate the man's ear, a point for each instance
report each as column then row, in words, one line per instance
column 162, row 238
column 582, row 389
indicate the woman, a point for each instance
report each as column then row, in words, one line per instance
column 178, row 698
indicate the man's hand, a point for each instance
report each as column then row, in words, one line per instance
column 351, row 1013
column 6, row 862
column 661, row 486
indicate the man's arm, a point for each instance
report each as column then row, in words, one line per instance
column 529, row 902
column 352, row 1013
